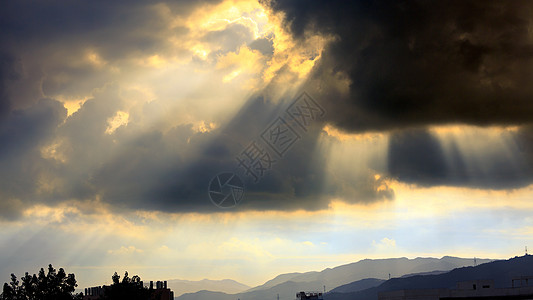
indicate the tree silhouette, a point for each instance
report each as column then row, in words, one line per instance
column 56, row 285
column 127, row 289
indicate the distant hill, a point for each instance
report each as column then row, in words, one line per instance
column 277, row 280
column 203, row 295
column 501, row 272
column 372, row 268
column 286, row 285
column 359, row 285
column 425, row 273
column 187, row 286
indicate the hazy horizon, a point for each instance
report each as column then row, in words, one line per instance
column 474, row 261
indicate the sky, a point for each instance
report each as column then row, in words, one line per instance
column 356, row 130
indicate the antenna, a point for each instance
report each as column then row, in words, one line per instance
column 475, row 261
column 526, row 250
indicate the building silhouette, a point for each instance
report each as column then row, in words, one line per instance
column 308, row 296
column 160, row 292
column 93, row 293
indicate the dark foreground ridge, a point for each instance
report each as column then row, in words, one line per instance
column 501, row 273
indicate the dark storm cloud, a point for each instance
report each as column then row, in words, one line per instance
column 264, row 45
column 407, row 63
column 153, row 169
column 417, row 156
column 115, row 26
column 85, row 142
column 22, row 134
column 422, row 62
column 43, row 46
column 44, row 43
column 6, row 72
column 172, row 171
